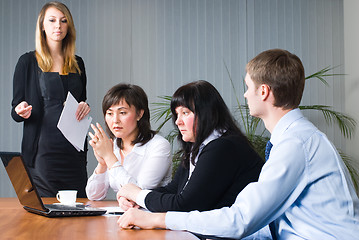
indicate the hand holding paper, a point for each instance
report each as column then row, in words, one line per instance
column 74, row 131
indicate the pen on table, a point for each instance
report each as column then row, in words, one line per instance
column 115, row 213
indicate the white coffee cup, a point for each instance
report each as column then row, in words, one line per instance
column 67, row 197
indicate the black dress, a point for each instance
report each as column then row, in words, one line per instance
column 58, row 165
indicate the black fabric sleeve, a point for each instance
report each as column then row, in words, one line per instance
column 81, row 64
column 26, row 88
column 216, row 180
column 20, row 75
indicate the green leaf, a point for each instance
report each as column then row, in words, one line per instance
column 321, row 74
column 162, row 110
column 345, row 123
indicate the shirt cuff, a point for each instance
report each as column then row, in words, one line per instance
column 98, row 176
column 141, row 196
column 176, row 220
column 114, row 170
column 115, row 165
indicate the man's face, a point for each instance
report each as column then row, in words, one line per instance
column 253, row 97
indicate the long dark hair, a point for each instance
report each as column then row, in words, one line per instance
column 134, row 96
column 210, row 111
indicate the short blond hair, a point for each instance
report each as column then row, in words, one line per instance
column 43, row 56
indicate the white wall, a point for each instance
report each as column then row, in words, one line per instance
column 351, row 60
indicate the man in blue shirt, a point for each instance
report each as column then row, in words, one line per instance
column 304, row 190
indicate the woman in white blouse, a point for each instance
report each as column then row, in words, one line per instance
column 133, row 153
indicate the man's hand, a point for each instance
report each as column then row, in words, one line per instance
column 143, row 219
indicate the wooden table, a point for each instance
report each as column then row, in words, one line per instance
column 17, row 223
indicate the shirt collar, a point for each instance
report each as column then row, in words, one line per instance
column 214, row 135
column 284, row 123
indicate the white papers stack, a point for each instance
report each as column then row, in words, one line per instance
column 74, row 131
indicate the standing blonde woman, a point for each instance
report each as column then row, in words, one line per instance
column 41, row 82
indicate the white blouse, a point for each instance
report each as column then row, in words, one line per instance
column 148, row 166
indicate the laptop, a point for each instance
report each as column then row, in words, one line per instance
column 28, row 196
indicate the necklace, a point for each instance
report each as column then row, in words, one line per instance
column 123, row 153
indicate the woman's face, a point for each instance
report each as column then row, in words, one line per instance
column 55, row 25
column 122, row 120
column 185, row 122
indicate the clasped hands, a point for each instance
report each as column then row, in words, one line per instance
column 103, row 148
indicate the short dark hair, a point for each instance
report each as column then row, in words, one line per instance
column 134, row 96
column 283, row 72
column 210, row 111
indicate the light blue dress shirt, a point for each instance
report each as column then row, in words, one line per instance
column 304, row 187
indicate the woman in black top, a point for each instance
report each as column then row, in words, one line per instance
column 42, row 80
column 217, row 159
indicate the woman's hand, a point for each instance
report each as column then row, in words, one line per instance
column 102, row 146
column 126, row 204
column 100, row 160
column 82, row 110
column 101, row 166
column 23, row 109
column 100, row 143
column 129, row 191
column 146, row 220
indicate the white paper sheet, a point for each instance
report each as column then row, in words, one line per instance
column 74, row 131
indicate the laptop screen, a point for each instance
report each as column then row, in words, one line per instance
column 21, row 180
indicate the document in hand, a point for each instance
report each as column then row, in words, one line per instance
column 73, row 130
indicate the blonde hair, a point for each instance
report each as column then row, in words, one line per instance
column 43, row 56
